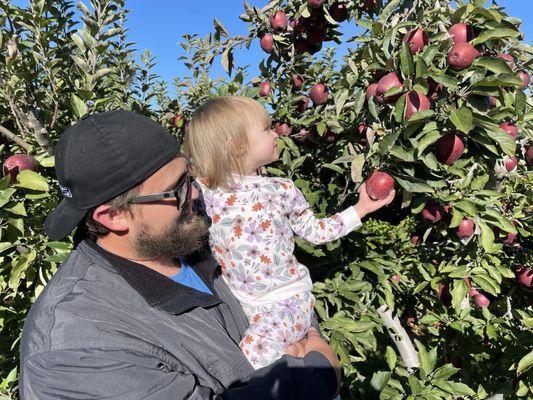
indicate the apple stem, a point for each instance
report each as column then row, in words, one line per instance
column 400, row 338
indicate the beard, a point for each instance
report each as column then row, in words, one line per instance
column 183, row 237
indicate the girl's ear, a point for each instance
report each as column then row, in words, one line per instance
column 236, row 149
column 115, row 221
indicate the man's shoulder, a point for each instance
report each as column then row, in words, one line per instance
column 75, row 294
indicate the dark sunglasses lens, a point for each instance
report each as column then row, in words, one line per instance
column 184, row 192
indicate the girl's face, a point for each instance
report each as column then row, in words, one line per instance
column 262, row 146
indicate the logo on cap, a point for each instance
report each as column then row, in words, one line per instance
column 65, row 191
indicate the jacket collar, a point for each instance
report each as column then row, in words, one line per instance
column 160, row 291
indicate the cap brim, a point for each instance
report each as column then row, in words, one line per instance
column 62, row 221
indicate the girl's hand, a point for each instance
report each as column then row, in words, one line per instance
column 366, row 205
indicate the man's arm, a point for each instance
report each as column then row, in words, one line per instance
column 127, row 374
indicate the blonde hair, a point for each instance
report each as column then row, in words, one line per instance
column 216, row 139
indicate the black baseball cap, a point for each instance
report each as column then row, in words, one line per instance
column 102, row 156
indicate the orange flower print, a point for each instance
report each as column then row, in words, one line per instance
column 265, row 224
column 256, row 318
column 237, row 231
column 257, row 207
column 215, row 218
column 231, row 200
column 265, row 260
column 248, row 339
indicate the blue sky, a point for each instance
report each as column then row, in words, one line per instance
column 158, row 25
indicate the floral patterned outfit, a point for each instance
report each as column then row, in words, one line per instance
column 251, row 237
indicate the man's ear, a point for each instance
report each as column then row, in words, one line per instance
column 115, row 221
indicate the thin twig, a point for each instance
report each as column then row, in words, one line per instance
column 40, row 133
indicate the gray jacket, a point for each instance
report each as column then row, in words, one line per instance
column 106, row 327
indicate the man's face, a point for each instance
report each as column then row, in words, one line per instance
column 160, row 231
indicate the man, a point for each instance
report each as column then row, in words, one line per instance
column 126, row 316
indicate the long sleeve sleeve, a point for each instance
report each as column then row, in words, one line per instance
column 319, row 230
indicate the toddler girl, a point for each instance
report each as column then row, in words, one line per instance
column 253, row 221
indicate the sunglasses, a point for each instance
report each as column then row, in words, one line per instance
column 182, row 193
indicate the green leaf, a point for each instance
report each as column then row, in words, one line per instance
column 506, row 142
column 467, row 206
column 427, row 140
column 390, row 356
column 340, row 100
column 388, row 141
column 463, row 119
column 421, row 116
column 18, row 268
column 446, row 81
column 423, row 358
column 496, row 33
column 379, row 380
column 406, row 61
column 78, row 106
column 227, row 59
column 399, row 109
column 28, row 179
column 414, row 185
column 487, row 237
column 445, row 372
column 5, row 196
column 356, row 169
column 493, row 64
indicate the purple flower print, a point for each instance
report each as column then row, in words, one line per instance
column 265, row 331
column 211, row 204
column 254, row 232
column 288, row 307
column 246, row 282
column 282, row 232
column 284, row 336
column 261, row 347
column 253, row 252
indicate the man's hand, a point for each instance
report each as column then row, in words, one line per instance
column 366, row 205
column 313, row 342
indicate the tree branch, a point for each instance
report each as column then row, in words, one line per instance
column 14, row 138
column 400, row 338
column 39, row 132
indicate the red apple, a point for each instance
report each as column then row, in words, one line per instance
column 371, row 92
column 526, row 80
column 379, row 185
column 491, row 101
column 434, row 89
column 396, row 278
column 282, row 129
column 481, row 300
column 267, row 42
column 529, row 155
column 509, row 239
column 386, row 83
column 461, row 33
column 178, row 121
column 416, row 39
column 319, row 93
column 303, row 104
column 461, row 56
column 265, row 89
column 509, row 59
column 432, row 212
column 465, row 228
column 525, row 276
column 510, row 128
column 361, row 129
column 338, row 11
column 472, row 292
column 414, row 102
column 449, row 148
column 444, row 295
column 510, row 163
column 315, row 3
column 329, row 136
column 278, row 21
column 415, row 239
column 18, row 163
column 316, row 36
column 297, row 81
